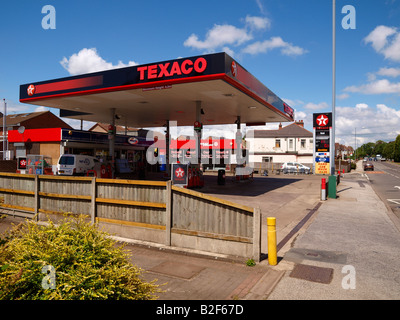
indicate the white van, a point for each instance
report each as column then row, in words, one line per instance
column 76, row 164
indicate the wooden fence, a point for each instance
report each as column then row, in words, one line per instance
column 152, row 211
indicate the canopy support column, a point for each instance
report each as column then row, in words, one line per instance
column 167, row 150
column 198, row 132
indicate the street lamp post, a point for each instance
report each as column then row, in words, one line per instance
column 355, row 144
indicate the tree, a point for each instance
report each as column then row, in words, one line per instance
column 365, row 150
column 388, row 150
column 379, row 146
column 396, row 153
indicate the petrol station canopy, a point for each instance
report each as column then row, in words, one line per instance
column 148, row 95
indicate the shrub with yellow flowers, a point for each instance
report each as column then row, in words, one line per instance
column 69, row 260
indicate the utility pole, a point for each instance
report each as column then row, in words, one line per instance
column 4, row 131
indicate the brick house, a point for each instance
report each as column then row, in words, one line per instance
column 32, row 120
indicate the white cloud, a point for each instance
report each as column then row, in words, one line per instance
column 264, row 46
column 260, row 6
column 76, row 124
column 291, row 50
column 218, row 36
column 274, row 43
column 228, row 51
column 293, row 103
column 361, row 106
column 343, row 96
column 40, row 109
column 376, row 87
column 257, row 23
column 385, row 40
column 389, row 72
column 88, row 60
column 300, row 115
column 223, row 36
column 385, row 125
column 378, row 37
column 317, row 107
column 389, row 113
column 14, row 108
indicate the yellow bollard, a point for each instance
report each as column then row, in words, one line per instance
column 272, row 256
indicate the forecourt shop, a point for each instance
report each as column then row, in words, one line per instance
column 195, row 91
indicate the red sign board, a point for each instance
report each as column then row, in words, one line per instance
column 35, row 135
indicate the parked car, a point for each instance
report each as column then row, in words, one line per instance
column 294, row 167
column 368, row 166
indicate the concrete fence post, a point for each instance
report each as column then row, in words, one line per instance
column 93, row 201
column 257, row 234
column 37, row 203
column 168, row 212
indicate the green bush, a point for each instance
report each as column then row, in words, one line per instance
column 87, row 264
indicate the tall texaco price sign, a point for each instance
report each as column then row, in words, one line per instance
column 322, row 123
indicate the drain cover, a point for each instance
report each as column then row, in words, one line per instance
column 177, row 269
column 312, row 273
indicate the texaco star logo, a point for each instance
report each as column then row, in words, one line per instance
column 234, row 68
column 322, row 120
column 179, row 173
column 31, row 90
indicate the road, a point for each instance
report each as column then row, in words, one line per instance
column 385, row 180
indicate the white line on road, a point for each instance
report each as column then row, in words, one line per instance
column 396, row 201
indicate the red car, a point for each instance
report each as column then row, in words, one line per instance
column 368, row 166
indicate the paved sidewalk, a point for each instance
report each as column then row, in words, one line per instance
column 190, row 277
column 355, row 243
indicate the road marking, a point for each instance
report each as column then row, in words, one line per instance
column 377, row 172
column 397, row 187
column 395, row 201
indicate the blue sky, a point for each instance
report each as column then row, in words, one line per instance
column 286, row 44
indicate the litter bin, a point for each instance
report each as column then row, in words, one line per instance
column 332, row 187
column 221, row 177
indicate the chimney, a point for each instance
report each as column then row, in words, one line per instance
column 300, row 123
column 280, row 126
